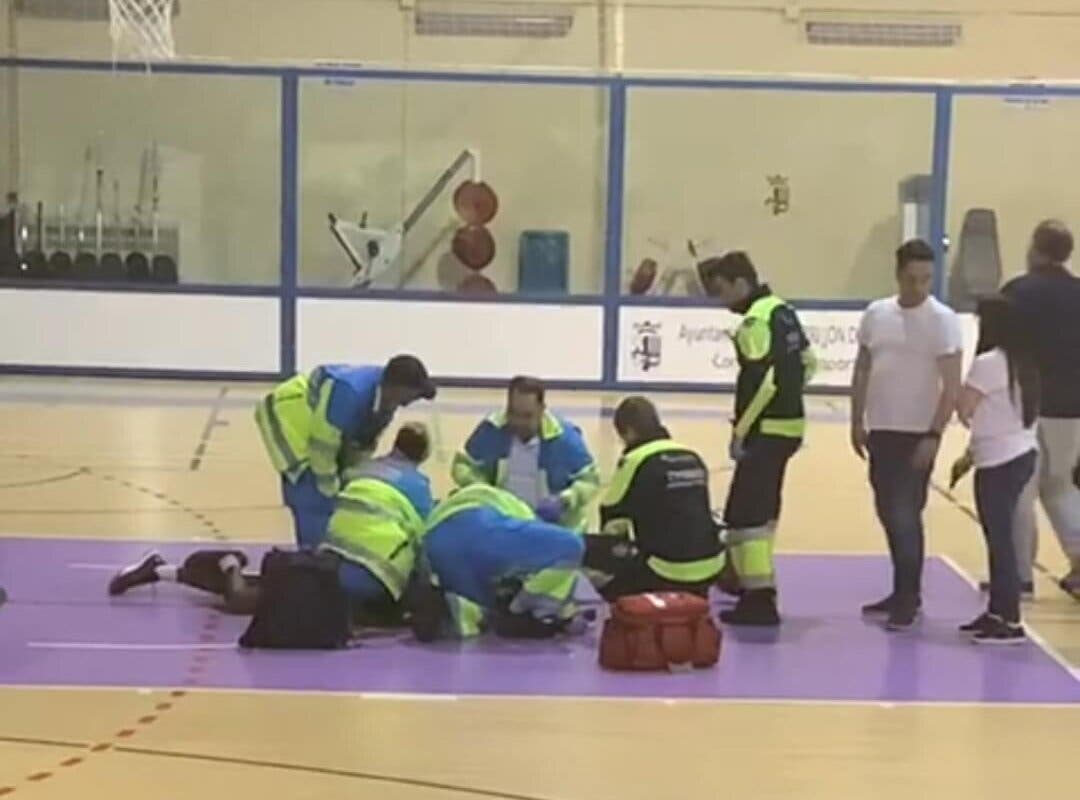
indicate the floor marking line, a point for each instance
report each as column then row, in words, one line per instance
column 568, row 698
column 44, row 481
column 130, row 646
column 42, row 742
column 1055, row 655
column 208, row 430
column 330, row 772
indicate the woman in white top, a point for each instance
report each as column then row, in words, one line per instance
column 999, row 402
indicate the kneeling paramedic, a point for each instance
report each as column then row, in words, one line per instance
column 657, row 527
column 372, row 539
column 775, row 364
column 491, row 564
column 538, row 456
column 315, row 427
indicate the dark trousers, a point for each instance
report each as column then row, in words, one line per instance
column 997, row 491
column 635, row 577
column 755, row 494
column 899, row 499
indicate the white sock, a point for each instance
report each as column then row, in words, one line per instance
column 167, row 572
column 229, row 562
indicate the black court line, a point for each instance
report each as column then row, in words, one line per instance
column 330, row 772
column 212, row 422
column 43, row 481
column 43, row 742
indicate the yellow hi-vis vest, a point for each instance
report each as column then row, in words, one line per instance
column 284, row 421
column 375, row 525
column 479, row 495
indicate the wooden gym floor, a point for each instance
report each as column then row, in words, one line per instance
column 95, row 703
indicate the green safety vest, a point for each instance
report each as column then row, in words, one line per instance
column 283, row 418
column 679, row 571
column 479, row 495
column 376, row 526
column 782, row 414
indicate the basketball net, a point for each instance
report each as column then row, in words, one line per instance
column 142, row 29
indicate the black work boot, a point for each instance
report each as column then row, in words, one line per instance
column 755, row 607
column 428, row 610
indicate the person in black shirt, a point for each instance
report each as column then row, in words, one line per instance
column 658, row 532
column 1047, row 301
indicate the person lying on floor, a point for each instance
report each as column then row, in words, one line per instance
column 657, row 526
column 488, row 563
column 372, row 536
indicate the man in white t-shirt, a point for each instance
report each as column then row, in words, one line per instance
column 904, row 390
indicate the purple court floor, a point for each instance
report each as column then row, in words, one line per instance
column 59, row 628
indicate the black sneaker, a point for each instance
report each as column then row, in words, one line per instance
column 998, row 631
column 136, row 575
column 882, row 608
column 976, row 624
column 902, row 616
column 756, row 607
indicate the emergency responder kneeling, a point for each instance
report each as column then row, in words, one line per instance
column 657, row 528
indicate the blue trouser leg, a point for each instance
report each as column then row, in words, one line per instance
column 997, row 490
column 899, row 497
column 474, row 551
column 310, row 509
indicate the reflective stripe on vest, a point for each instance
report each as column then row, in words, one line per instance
column 375, row 525
column 703, row 569
column 628, row 467
column 791, row 428
column 480, row 495
column 283, row 420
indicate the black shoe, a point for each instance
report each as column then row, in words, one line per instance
column 882, row 608
column 997, row 631
column 756, row 607
column 1027, row 589
column 903, row 615
column 136, row 575
column 976, row 624
column 428, row 610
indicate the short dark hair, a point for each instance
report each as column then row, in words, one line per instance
column 639, row 413
column 1053, row 240
column 409, row 371
column 730, row 266
column 413, row 442
column 523, row 384
column 913, row 250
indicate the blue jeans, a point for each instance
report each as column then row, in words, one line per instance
column 310, row 508
column 899, row 499
column 997, row 491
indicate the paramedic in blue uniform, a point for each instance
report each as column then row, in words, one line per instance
column 538, row 456
column 316, row 426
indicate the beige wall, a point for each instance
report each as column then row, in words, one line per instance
column 219, row 147
column 1018, row 160
column 379, row 147
column 1004, row 38
column 697, row 160
column 698, row 163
